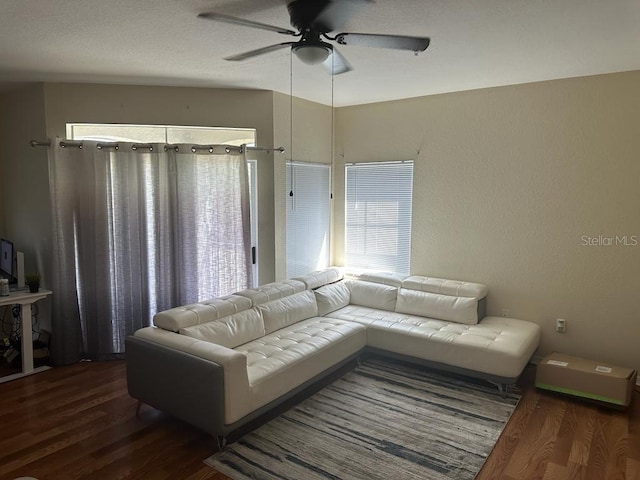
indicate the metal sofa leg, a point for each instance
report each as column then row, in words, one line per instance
column 222, row 442
column 504, row 389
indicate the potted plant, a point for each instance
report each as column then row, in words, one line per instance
column 33, row 280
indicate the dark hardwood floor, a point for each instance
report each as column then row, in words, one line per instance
column 78, row 422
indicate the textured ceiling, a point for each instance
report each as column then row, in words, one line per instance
column 474, row 44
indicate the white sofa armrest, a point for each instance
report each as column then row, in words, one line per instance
column 237, row 397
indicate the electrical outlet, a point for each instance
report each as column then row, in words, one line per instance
column 505, row 312
column 561, row 325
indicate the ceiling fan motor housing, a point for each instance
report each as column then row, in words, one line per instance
column 305, row 15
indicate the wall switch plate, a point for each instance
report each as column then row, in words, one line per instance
column 561, row 325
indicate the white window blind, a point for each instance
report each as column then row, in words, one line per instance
column 308, row 217
column 378, row 216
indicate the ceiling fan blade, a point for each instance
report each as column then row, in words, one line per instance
column 400, row 42
column 258, row 51
column 336, row 13
column 247, row 7
column 246, row 23
column 336, row 63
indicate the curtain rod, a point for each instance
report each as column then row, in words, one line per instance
column 136, row 146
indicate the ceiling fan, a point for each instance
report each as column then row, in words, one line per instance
column 314, row 20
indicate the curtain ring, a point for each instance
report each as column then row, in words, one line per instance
column 101, row 146
column 65, row 144
column 136, row 146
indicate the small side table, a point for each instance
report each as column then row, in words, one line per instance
column 25, row 299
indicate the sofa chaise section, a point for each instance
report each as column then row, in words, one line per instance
column 435, row 322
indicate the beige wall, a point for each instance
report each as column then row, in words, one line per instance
column 24, row 183
column 312, row 124
column 507, row 182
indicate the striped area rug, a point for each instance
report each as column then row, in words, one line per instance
column 382, row 420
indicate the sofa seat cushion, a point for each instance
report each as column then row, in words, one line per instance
column 285, row 359
column 496, row 346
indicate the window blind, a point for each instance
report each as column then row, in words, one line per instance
column 308, row 217
column 378, row 216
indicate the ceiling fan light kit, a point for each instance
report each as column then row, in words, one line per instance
column 314, row 19
column 312, row 54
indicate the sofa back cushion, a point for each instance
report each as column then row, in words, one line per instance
column 272, row 291
column 332, row 297
column 321, row 277
column 442, row 307
column 385, row 278
column 230, row 331
column 286, row 311
column 442, row 286
column 373, row 295
column 197, row 313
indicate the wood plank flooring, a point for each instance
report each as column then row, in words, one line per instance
column 78, row 422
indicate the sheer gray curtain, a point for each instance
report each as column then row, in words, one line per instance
column 139, row 230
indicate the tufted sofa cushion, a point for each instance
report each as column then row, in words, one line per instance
column 229, row 331
column 196, row 313
column 283, row 360
column 281, row 313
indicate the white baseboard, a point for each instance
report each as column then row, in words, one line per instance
column 15, row 376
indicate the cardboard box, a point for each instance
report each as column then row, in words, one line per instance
column 607, row 384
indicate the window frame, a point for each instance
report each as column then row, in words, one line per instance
column 373, row 238
column 310, row 178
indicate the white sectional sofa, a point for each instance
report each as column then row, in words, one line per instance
column 222, row 363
